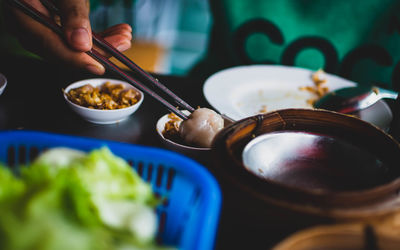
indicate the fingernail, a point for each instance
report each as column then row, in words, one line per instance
column 123, row 46
column 80, row 37
column 98, row 70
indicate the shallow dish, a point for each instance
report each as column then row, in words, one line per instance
column 3, row 83
column 102, row 116
column 190, row 151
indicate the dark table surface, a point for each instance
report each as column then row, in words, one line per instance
column 33, row 100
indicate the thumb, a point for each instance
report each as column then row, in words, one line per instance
column 75, row 21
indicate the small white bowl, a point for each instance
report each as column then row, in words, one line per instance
column 3, row 83
column 102, row 116
column 200, row 154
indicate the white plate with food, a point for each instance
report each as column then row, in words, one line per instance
column 244, row 91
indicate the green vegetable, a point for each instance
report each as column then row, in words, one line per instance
column 67, row 199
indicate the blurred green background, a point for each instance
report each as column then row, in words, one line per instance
column 360, row 38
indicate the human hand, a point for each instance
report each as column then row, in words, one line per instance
column 70, row 50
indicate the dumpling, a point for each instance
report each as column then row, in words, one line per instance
column 201, row 127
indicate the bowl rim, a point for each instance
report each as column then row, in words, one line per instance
column 161, row 123
column 3, row 82
column 100, row 81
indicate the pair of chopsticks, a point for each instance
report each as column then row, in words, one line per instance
column 101, row 43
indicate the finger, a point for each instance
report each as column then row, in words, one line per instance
column 42, row 41
column 119, row 36
column 118, row 41
column 122, row 29
column 119, row 26
column 74, row 16
column 126, row 34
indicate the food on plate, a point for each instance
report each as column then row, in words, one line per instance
column 318, row 89
column 106, row 96
column 68, row 199
column 263, row 109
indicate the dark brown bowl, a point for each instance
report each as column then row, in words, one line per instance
column 229, row 144
column 346, row 236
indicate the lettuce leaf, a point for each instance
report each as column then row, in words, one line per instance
column 68, row 199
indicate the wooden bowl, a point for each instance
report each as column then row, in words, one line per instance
column 346, row 236
column 290, row 206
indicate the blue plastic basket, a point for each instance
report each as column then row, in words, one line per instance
column 189, row 217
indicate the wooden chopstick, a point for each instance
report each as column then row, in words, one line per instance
column 103, row 44
column 38, row 16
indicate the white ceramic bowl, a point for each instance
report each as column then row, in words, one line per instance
column 3, row 83
column 102, row 116
column 200, row 154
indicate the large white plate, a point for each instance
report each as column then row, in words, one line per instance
column 244, row 91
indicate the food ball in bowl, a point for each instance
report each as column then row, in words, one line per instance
column 196, row 133
column 103, row 101
column 201, row 127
